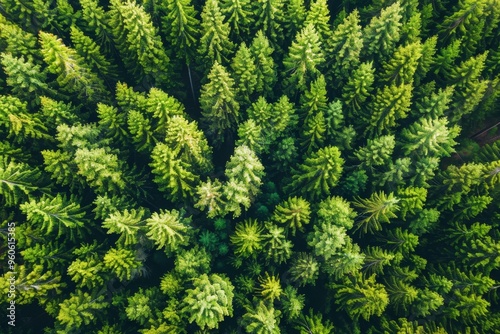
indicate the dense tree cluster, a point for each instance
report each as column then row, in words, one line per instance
column 237, row 166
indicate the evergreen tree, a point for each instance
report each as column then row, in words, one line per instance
column 247, row 238
column 73, row 74
column 377, row 152
column 209, row 195
column 264, row 62
column 122, row 263
column 389, row 105
column 304, row 269
column 294, row 213
column 19, row 123
column 220, row 110
column 80, row 309
column 319, row 16
column 173, row 175
column 383, row 32
column 345, row 45
column 269, row 14
column 17, row 181
column 326, row 239
column 245, row 74
column 319, row 173
column 245, row 167
column 239, row 16
column 215, row 44
column 402, row 66
column 181, row 28
column 430, row 137
column 361, row 297
column 209, row 301
column 304, row 57
column 313, row 323
column 263, row 319
column 277, row 247
column 139, row 44
column 359, row 86
column 129, row 224
column 378, row 208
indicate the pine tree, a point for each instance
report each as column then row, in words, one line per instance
column 262, row 319
column 91, row 53
column 220, row 110
column 247, row 238
column 376, row 259
column 314, row 100
column 436, row 104
column 209, row 301
column 294, row 213
column 294, row 14
column 181, row 28
column 390, row 104
column 276, row 246
column 73, row 74
column 87, row 273
column 112, row 122
column 319, row 173
column 17, row 181
column 383, row 32
column 122, row 263
column 270, row 287
column 361, row 297
column 209, row 197
column 25, row 78
column 346, row 44
column 129, row 224
column 269, row 14
column 264, row 62
column 56, row 215
column 192, row 263
column 377, row 152
column 162, row 107
column 326, row 239
column 173, row 176
column 378, row 208
column 402, row 66
column 313, row 323
column 168, row 229
column 215, row 44
column 359, row 86
column 189, row 143
column 304, row 269
column 430, row 137
column 346, row 262
column 236, row 194
column 140, row 131
column 19, row 123
column 239, row 16
column 80, row 309
column 97, row 21
column 139, row 44
column 243, row 66
column 337, row 211
column 319, row 16
column 245, row 167
column 18, row 42
column 304, row 57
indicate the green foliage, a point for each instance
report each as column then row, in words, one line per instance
column 313, row 323
column 304, row 269
column 80, row 309
column 262, row 319
column 17, row 181
column 361, row 297
column 376, row 209
column 209, row 301
column 294, row 213
column 122, row 263
column 319, row 173
column 247, row 238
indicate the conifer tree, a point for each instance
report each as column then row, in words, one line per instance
column 247, row 238
column 319, row 173
column 97, row 21
column 168, row 229
column 304, row 269
column 262, row 319
column 239, row 16
column 181, row 28
column 314, row 100
column 390, row 104
column 430, row 137
column 209, row 301
column 270, row 287
column 173, row 175
column 359, row 86
column 264, row 62
column 361, row 297
column 18, row 42
column 337, row 211
column 19, row 123
column 345, row 45
column 58, row 215
column 319, row 16
column 402, row 66
column 215, row 44
column 326, row 239
column 294, row 17
column 294, row 213
column 129, row 224
column 383, row 32
column 243, row 66
column 122, row 263
column 220, row 110
column 209, row 197
column 87, row 273
column 314, row 323
column 139, row 44
column 17, row 181
column 80, row 309
column 277, row 247
column 377, row 152
column 245, row 167
column 269, row 14
column 73, row 74
column 304, row 57
column 378, row 208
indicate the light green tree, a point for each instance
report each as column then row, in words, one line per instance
column 215, row 44
column 319, row 173
column 402, row 66
column 262, row 319
column 244, row 166
column 17, row 181
column 304, row 57
column 294, row 213
column 209, row 301
column 168, row 229
column 377, row 152
column 129, row 224
column 313, row 323
column 247, row 238
column 361, row 297
column 264, row 63
column 326, row 239
column 358, row 86
column 220, row 110
column 122, row 263
column 304, row 269
column 210, row 198
column 378, row 208
column 245, row 72
column 80, row 309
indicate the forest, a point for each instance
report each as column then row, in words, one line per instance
column 239, row 166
